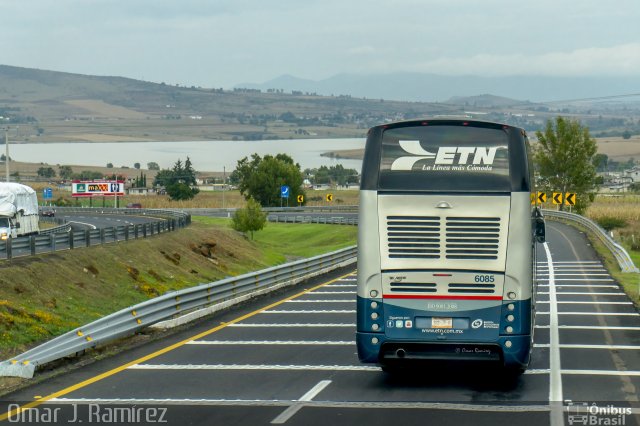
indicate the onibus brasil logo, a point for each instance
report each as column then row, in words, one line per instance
column 447, row 157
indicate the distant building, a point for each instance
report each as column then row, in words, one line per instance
column 633, row 174
column 141, row 191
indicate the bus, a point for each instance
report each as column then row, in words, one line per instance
column 447, row 233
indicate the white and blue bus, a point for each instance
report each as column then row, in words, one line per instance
column 446, row 244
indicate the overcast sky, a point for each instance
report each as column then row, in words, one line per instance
column 220, row 43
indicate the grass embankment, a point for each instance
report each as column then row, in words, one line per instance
column 626, row 209
column 46, row 295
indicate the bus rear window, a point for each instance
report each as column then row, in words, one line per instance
column 446, row 158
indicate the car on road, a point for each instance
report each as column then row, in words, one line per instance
column 134, row 206
column 48, row 213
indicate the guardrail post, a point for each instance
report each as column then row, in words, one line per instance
column 71, row 238
column 52, row 242
column 87, row 237
column 102, row 235
column 9, row 247
column 144, row 230
column 115, row 234
column 136, row 228
column 32, row 245
column 126, row 233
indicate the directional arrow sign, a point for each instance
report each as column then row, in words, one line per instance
column 300, row 198
column 570, row 199
column 542, row 197
column 533, row 198
column 557, row 198
column 329, row 197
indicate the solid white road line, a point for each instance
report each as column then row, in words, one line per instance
column 587, row 303
column 599, row 280
column 293, row 409
column 609, row 347
column 582, row 286
column 622, row 314
column 586, row 274
column 602, row 372
column 591, row 327
column 331, row 292
column 587, row 293
column 555, row 377
column 253, row 367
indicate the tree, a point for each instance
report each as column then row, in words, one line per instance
column 261, row 178
column 178, row 181
column 87, row 175
column 46, row 172
column 153, row 166
column 65, row 172
column 626, row 134
column 250, row 218
column 600, row 162
column 181, row 191
column 564, row 159
column 110, row 165
column 136, row 165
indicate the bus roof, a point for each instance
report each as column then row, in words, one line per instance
column 445, row 121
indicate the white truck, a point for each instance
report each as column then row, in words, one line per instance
column 18, row 211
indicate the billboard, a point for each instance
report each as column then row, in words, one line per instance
column 97, row 188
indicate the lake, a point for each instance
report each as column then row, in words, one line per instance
column 205, row 155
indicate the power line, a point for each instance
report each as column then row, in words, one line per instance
column 597, row 98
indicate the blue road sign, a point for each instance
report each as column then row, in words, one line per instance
column 47, row 194
column 284, row 191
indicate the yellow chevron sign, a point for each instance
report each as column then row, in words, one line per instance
column 570, row 199
column 557, row 198
column 542, row 197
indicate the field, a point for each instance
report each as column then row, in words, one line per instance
column 620, row 149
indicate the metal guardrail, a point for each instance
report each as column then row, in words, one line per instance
column 313, row 219
column 64, row 238
column 129, row 320
column 621, row 255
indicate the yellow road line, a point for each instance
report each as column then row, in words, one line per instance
column 145, row 358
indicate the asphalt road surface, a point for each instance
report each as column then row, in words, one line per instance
column 292, row 360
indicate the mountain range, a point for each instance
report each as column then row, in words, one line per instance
column 418, row 87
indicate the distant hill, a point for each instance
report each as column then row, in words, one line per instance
column 485, row 101
column 438, row 88
column 50, row 106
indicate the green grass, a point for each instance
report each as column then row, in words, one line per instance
column 280, row 242
column 46, row 295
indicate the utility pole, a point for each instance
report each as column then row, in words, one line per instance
column 224, row 181
column 6, row 151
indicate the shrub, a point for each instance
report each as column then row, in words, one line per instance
column 608, row 223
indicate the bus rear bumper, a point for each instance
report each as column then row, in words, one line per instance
column 515, row 355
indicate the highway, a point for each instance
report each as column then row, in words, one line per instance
column 96, row 221
column 291, row 359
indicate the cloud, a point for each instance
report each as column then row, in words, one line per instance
column 620, row 60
